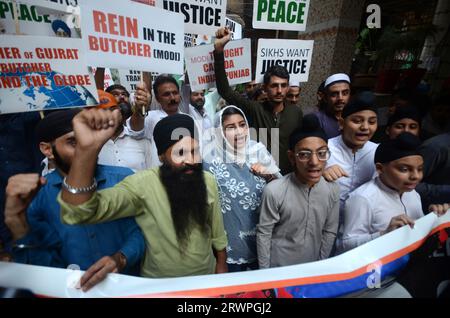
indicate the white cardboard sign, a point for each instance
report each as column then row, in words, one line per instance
column 289, row 15
column 132, row 35
column 200, row 64
column 200, row 16
column 38, row 73
column 295, row 55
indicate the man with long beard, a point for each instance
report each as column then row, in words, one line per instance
column 176, row 205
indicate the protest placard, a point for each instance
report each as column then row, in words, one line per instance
column 107, row 79
column 34, row 21
column 200, row 16
column 68, row 6
column 132, row 35
column 235, row 29
column 38, row 73
column 129, row 79
column 294, row 55
column 280, row 14
column 200, row 64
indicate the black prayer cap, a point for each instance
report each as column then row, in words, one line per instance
column 162, row 134
column 310, row 128
column 406, row 144
column 363, row 101
column 55, row 124
column 404, row 112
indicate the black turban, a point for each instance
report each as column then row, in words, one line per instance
column 406, row 144
column 310, row 128
column 404, row 112
column 362, row 101
column 162, row 134
column 55, row 125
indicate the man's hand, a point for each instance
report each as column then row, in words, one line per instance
column 223, row 36
column 397, row 222
column 20, row 191
column 98, row 272
column 334, row 172
column 142, row 98
column 94, row 127
column 439, row 209
column 221, row 261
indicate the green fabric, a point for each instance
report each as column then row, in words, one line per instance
column 143, row 196
column 261, row 115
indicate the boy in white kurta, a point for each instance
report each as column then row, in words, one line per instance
column 388, row 201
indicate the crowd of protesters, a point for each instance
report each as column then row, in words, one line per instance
column 173, row 191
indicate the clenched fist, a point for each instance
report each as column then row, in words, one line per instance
column 20, row 191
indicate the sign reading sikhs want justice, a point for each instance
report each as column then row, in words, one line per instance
column 130, row 35
column 294, row 55
column 288, row 15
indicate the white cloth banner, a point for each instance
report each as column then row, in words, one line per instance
column 200, row 64
column 40, row 73
column 289, row 15
column 371, row 258
column 294, row 55
column 130, row 35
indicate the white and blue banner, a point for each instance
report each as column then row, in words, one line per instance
column 358, row 270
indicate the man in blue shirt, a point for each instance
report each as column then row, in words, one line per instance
column 39, row 236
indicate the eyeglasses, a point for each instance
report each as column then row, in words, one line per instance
column 306, row 155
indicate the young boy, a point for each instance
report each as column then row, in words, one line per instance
column 299, row 212
column 405, row 119
column 388, row 201
column 351, row 161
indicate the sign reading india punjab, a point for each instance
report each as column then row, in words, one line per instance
column 280, row 14
column 200, row 64
column 130, row 35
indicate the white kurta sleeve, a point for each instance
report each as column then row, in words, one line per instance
column 357, row 221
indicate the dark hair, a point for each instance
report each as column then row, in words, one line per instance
column 231, row 111
column 321, row 88
column 276, row 70
column 117, row 86
column 163, row 79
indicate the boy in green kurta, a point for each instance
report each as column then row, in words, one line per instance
column 175, row 205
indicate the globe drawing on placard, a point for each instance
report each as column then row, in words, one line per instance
column 32, row 98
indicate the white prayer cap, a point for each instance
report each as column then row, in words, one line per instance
column 339, row 77
column 294, row 84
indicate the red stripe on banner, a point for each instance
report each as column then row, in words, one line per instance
column 214, row 292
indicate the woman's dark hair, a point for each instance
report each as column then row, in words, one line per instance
column 231, row 111
column 276, row 70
